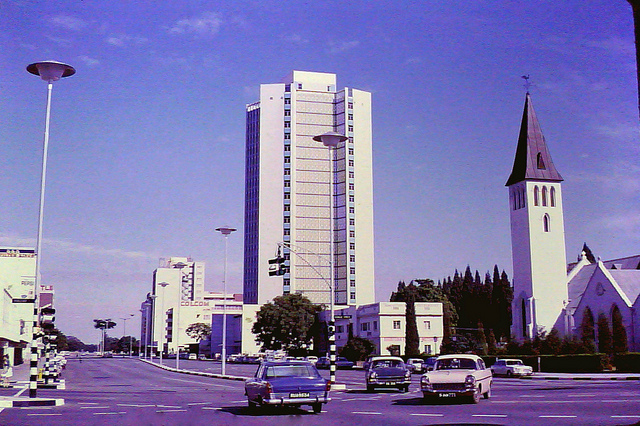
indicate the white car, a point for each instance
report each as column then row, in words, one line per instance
column 415, row 365
column 511, row 367
column 456, row 376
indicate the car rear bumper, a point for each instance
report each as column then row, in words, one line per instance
column 296, row 401
column 447, row 393
column 388, row 382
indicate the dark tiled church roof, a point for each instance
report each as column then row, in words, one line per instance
column 533, row 161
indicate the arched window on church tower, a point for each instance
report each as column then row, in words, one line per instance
column 544, row 195
column 536, row 196
column 546, row 223
column 552, row 197
column 540, row 162
column 523, row 197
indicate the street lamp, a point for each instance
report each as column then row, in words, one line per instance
column 331, row 141
column 124, row 331
column 176, row 320
column 49, row 71
column 143, row 340
column 225, row 231
column 163, row 285
column 150, row 333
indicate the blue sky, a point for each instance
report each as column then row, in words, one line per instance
column 146, row 154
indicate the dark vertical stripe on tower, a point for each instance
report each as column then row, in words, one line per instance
column 33, row 364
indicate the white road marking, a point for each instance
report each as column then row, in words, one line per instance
column 625, row 417
column 575, row 395
column 366, row 412
column 170, row 411
column 202, row 403
column 108, row 414
column 426, row 414
column 168, row 406
column 211, row 408
column 606, row 401
column 489, row 415
column 136, row 405
column 87, row 403
column 44, row 414
column 557, row 417
column 93, row 407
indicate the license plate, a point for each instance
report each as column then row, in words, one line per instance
column 447, row 395
column 391, row 383
column 299, row 395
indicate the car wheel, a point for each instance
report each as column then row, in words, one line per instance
column 252, row 405
column 509, row 373
column 317, row 408
column 370, row 388
column 487, row 394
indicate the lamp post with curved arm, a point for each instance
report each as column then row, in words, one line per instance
column 225, row 231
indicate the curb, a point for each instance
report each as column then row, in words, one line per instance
column 18, row 402
column 580, row 378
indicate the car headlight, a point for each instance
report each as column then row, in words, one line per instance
column 407, row 374
column 424, row 380
column 470, row 380
column 373, row 375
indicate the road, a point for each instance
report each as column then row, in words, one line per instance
column 129, row 392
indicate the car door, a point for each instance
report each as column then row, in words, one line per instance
column 254, row 384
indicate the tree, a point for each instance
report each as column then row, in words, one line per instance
column 412, row 339
column 198, row 331
column 75, row 344
column 286, row 322
column 619, row 333
column 483, row 347
column 357, row 349
column 587, row 331
column 103, row 325
column 604, row 334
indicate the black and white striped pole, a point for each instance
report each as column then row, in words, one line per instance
column 331, row 141
column 48, row 71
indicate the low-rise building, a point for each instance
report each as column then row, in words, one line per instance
column 384, row 324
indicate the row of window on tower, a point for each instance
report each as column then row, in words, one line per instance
column 545, row 197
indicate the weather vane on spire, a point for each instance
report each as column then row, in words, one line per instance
column 527, row 83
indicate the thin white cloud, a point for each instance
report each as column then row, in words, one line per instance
column 88, row 61
column 295, row 39
column 619, row 131
column 342, row 46
column 124, row 40
column 625, row 222
column 68, row 22
column 207, row 24
column 63, row 246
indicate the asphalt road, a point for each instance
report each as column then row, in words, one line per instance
column 128, row 392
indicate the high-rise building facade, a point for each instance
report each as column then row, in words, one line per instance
column 287, row 192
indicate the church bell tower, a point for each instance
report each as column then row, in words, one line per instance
column 537, row 234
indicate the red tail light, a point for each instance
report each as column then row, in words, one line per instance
column 269, row 388
column 328, row 388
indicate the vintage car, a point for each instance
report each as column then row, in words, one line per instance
column 341, row 363
column 291, row 383
column 457, row 376
column 415, row 364
column 511, row 367
column 387, row 371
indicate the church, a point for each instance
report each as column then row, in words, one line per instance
column 548, row 293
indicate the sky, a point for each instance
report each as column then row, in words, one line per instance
column 146, row 154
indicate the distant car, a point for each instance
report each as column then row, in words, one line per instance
column 291, row 383
column 202, row 357
column 428, row 364
column 341, row 363
column 387, row 371
column 312, row 359
column 457, row 376
column 193, row 356
column 414, row 365
column 511, row 367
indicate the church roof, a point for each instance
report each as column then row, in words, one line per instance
column 578, row 284
column 628, row 281
column 532, row 161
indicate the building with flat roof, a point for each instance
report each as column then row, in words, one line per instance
column 287, row 190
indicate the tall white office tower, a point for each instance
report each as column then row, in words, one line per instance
column 537, row 235
column 288, row 188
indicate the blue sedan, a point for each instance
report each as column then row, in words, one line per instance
column 292, row 383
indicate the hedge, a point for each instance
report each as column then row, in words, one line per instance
column 627, row 363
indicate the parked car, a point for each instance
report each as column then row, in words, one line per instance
column 202, row 357
column 341, row 363
column 414, row 365
column 511, row 367
column 193, row 356
column 457, row 376
column 312, row 359
column 428, row 364
column 291, row 383
column 387, row 371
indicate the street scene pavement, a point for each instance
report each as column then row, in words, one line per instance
column 127, row 391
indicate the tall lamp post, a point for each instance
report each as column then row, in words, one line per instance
column 176, row 320
column 225, row 231
column 124, row 330
column 152, row 326
column 331, row 141
column 143, row 341
column 162, row 330
column 49, row 71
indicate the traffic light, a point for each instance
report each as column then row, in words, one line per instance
column 331, row 328
column 277, row 266
column 47, row 318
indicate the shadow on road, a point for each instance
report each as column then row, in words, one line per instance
column 267, row 411
column 422, row 401
column 372, row 392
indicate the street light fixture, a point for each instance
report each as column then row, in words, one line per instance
column 152, row 326
column 176, row 321
column 124, row 330
column 331, row 141
column 48, row 71
column 225, row 231
column 162, row 313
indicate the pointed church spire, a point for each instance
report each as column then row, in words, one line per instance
column 533, row 161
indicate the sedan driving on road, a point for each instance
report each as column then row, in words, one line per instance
column 457, row 376
column 387, row 371
column 511, row 367
column 291, row 383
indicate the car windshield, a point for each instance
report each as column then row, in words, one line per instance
column 290, row 371
column 456, row 364
column 388, row 363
